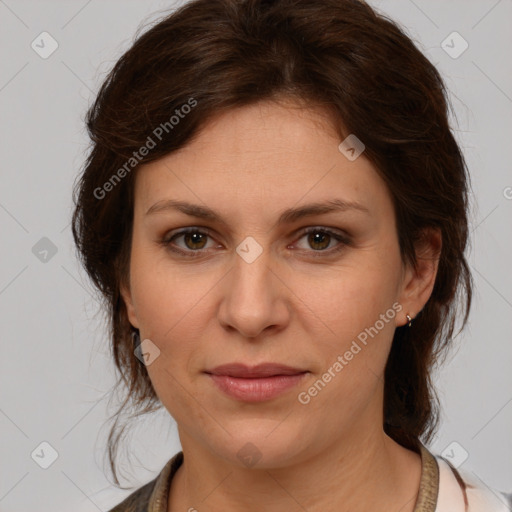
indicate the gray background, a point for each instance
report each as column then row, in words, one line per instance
column 55, row 367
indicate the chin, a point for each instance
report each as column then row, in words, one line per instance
column 264, row 449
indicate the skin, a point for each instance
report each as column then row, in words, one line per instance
column 287, row 306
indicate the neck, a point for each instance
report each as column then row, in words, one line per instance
column 356, row 474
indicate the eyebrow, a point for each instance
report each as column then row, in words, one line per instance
column 288, row 216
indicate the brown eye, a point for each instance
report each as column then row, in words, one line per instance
column 189, row 242
column 195, row 240
column 323, row 242
column 319, row 240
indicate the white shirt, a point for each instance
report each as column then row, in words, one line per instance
column 461, row 492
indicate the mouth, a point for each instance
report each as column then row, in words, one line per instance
column 257, row 383
column 239, row 370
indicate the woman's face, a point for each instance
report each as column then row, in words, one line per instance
column 250, row 285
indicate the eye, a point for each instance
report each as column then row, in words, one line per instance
column 194, row 242
column 322, row 240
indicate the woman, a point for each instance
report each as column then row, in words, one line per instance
column 275, row 211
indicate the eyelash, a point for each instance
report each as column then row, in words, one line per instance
column 344, row 241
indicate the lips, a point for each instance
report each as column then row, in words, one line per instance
column 255, row 383
column 242, row 371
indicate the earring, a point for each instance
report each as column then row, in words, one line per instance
column 409, row 319
column 135, row 337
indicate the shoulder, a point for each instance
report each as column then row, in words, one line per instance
column 460, row 491
column 152, row 497
column 137, row 501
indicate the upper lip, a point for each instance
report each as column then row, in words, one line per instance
column 261, row 370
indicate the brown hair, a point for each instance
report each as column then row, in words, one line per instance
column 339, row 55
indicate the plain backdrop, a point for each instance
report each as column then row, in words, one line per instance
column 55, row 367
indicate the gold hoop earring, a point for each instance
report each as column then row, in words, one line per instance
column 409, row 319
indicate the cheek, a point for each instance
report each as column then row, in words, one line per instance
column 354, row 295
column 161, row 295
column 357, row 312
column 353, row 351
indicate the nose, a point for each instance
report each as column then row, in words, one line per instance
column 254, row 298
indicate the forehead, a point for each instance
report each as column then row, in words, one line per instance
column 262, row 156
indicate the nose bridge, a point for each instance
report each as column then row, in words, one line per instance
column 251, row 301
column 251, row 280
column 253, row 275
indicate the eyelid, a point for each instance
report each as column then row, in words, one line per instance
column 325, row 229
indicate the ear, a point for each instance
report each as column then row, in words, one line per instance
column 128, row 301
column 418, row 281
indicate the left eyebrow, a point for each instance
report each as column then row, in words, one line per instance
column 308, row 210
column 288, row 216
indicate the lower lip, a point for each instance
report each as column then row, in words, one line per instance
column 256, row 390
